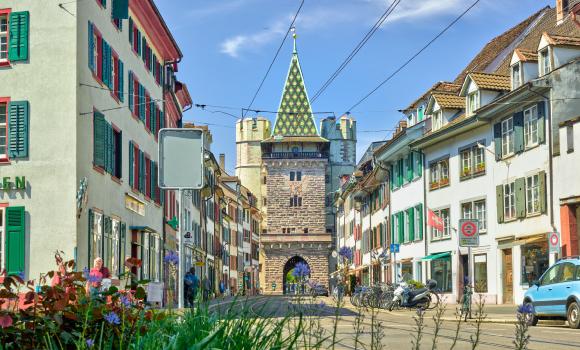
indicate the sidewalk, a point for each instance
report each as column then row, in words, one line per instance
column 505, row 313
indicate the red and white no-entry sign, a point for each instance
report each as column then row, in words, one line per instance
column 468, row 233
column 554, row 242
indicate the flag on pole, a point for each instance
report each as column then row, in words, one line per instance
column 434, row 221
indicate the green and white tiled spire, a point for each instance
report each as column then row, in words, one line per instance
column 295, row 116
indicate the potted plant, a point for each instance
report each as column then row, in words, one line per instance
column 480, row 167
column 434, row 184
column 466, row 171
column 444, row 181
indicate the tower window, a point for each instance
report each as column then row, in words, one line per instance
column 295, row 201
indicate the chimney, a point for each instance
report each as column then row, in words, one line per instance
column 222, row 161
column 561, row 10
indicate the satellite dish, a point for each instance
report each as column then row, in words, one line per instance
column 334, row 254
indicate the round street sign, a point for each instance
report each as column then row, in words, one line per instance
column 554, row 239
column 468, row 228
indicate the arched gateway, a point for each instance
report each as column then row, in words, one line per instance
column 288, row 271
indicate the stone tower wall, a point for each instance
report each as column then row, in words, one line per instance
column 280, row 189
column 249, row 135
column 277, row 254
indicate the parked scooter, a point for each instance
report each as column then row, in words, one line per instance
column 423, row 298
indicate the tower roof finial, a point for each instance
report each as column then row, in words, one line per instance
column 294, row 36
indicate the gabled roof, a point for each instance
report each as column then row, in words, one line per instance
column 499, row 44
column 525, row 55
column 448, row 101
column 295, row 116
column 486, row 81
column 442, row 86
column 562, row 40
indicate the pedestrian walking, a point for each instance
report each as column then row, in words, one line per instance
column 191, row 283
column 206, row 288
column 222, row 288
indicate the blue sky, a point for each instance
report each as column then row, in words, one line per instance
column 228, row 45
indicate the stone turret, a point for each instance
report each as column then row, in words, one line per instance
column 250, row 132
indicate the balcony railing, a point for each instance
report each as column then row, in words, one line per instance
column 293, row 155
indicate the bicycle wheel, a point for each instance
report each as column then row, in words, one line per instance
column 394, row 305
column 434, row 301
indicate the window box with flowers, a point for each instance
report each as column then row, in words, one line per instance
column 472, row 160
column 439, row 173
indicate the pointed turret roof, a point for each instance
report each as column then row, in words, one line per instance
column 294, row 117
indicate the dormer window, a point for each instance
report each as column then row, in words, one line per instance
column 516, row 76
column 545, row 64
column 472, row 102
column 437, row 120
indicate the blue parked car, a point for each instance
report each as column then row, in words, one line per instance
column 556, row 295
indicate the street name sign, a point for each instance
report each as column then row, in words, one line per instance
column 468, row 233
column 394, row 247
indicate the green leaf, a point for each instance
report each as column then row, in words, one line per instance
column 140, row 293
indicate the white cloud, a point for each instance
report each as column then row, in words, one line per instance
column 334, row 13
column 234, row 45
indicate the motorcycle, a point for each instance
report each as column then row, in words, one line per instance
column 422, row 298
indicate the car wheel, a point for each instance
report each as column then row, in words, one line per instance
column 531, row 318
column 574, row 315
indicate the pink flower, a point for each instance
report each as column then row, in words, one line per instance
column 5, row 321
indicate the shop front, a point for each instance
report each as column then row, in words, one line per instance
column 441, row 270
column 522, row 261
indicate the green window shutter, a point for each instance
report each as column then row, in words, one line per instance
column 542, row 122
column 15, row 240
column 411, row 213
column 419, row 164
column 400, row 172
column 122, row 243
column 99, row 134
column 497, row 140
column 18, row 44
column 104, row 62
column 401, row 218
column 391, row 178
column 142, row 107
column 121, row 80
column 130, row 94
column 90, row 235
column 138, row 42
column 18, row 129
column 393, row 218
column 519, row 132
column 131, row 165
column 499, row 202
column 410, row 165
column 91, row 48
column 520, row 187
column 143, row 48
column 161, row 119
column 152, row 179
column 420, row 214
column 141, row 171
column 120, row 9
column 542, row 185
column 110, row 149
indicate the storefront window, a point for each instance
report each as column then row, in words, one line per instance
column 407, row 270
column 535, row 261
column 441, row 272
column 480, row 272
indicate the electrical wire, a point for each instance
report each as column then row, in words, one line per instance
column 357, row 48
column 413, row 57
column 274, row 59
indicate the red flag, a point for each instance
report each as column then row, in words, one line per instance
column 434, row 221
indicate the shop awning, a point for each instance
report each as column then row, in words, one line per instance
column 436, row 256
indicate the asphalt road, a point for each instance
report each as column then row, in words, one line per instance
column 398, row 328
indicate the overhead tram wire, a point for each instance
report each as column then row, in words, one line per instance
column 274, row 59
column 357, row 48
column 413, row 57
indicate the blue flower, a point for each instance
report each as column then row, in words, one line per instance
column 346, row 253
column 90, row 343
column 322, row 305
column 112, row 318
column 301, row 270
column 94, row 279
column 171, row 258
column 526, row 309
column 21, row 275
column 86, row 272
column 125, row 301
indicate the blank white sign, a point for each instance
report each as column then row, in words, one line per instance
column 181, row 154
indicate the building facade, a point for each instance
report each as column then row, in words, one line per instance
column 83, row 180
column 292, row 168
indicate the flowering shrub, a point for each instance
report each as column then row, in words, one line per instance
column 301, row 270
column 65, row 316
column 345, row 253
